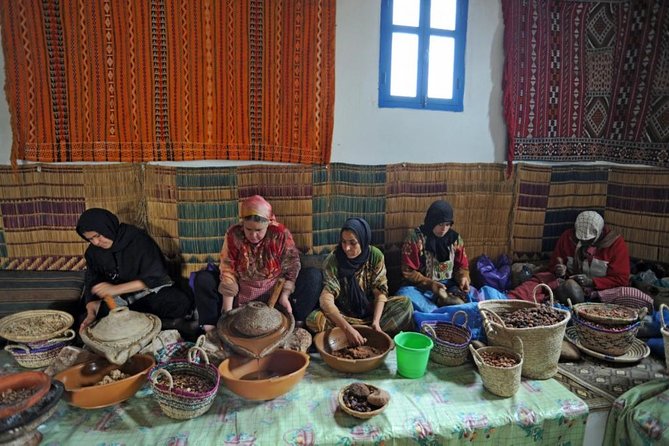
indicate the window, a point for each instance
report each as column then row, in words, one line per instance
column 422, row 58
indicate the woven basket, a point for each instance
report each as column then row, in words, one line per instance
column 176, row 350
column 502, row 381
column 35, row 325
column 541, row 345
column 450, row 340
column 609, row 341
column 182, row 404
column 588, row 312
column 38, row 355
column 355, row 413
column 665, row 334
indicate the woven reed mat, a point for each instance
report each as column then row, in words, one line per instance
column 599, row 383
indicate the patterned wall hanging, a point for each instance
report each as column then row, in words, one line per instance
column 587, row 80
column 169, row 80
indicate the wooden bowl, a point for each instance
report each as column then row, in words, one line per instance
column 81, row 391
column 265, row 378
column 355, row 413
column 335, row 339
column 39, row 384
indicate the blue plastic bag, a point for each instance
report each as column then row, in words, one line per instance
column 494, row 274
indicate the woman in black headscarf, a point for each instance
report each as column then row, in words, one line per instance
column 434, row 261
column 124, row 262
column 355, row 288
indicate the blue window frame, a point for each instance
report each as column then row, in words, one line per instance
column 422, row 57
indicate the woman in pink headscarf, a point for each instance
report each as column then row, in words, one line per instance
column 256, row 253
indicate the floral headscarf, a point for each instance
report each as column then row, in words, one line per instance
column 257, row 205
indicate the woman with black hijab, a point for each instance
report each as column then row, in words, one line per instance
column 124, row 262
column 355, row 288
column 435, row 267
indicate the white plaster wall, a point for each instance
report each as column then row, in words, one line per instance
column 366, row 134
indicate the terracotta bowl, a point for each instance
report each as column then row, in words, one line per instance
column 39, row 384
column 335, row 339
column 80, row 390
column 265, row 378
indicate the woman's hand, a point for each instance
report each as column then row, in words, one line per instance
column 464, row 283
column 377, row 327
column 354, row 337
column 104, row 289
column 436, row 287
column 92, row 308
column 285, row 301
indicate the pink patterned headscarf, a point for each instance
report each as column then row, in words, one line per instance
column 257, row 205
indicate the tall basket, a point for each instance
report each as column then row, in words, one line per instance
column 665, row 334
column 179, row 403
column 541, row 345
column 450, row 340
column 502, row 381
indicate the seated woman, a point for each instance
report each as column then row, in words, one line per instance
column 124, row 262
column 588, row 260
column 355, row 288
column 434, row 262
column 256, row 253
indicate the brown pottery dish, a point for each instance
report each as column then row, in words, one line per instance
column 363, row 400
column 22, row 390
column 329, row 341
column 81, row 391
column 266, row 378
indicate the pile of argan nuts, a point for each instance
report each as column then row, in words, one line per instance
column 363, row 398
column 498, row 359
column 541, row 316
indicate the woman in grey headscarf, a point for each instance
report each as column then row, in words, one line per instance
column 592, row 255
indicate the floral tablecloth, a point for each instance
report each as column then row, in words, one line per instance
column 448, row 406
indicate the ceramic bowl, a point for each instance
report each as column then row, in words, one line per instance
column 265, row 378
column 335, row 339
column 81, row 391
column 39, row 384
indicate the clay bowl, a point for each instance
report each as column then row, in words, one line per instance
column 335, row 339
column 80, row 390
column 23, row 422
column 265, row 378
column 38, row 383
column 355, row 413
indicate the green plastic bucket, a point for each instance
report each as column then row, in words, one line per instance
column 413, row 351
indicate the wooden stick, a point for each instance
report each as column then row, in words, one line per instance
column 276, row 292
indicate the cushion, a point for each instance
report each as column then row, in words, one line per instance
column 37, row 290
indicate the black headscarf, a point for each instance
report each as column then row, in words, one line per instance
column 346, row 268
column 439, row 212
column 106, row 224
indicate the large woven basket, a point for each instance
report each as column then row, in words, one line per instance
column 179, row 403
column 450, row 340
column 541, row 345
column 502, row 381
column 665, row 334
column 38, row 355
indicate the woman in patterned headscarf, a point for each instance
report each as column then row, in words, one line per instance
column 355, row 288
column 256, row 253
column 434, row 261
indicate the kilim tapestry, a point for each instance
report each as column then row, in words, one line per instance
column 170, row 80
column 587, row 80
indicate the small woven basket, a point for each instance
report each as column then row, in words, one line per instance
column 176, row 350
column 502, row 381
column 665, row 334
column 179, row 403
column 613, row 341
column 355, row 413
column 541, row 345
column 35, row 325
column 450, row 340
column 37, row 355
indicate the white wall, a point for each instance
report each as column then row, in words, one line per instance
column 366, row 134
